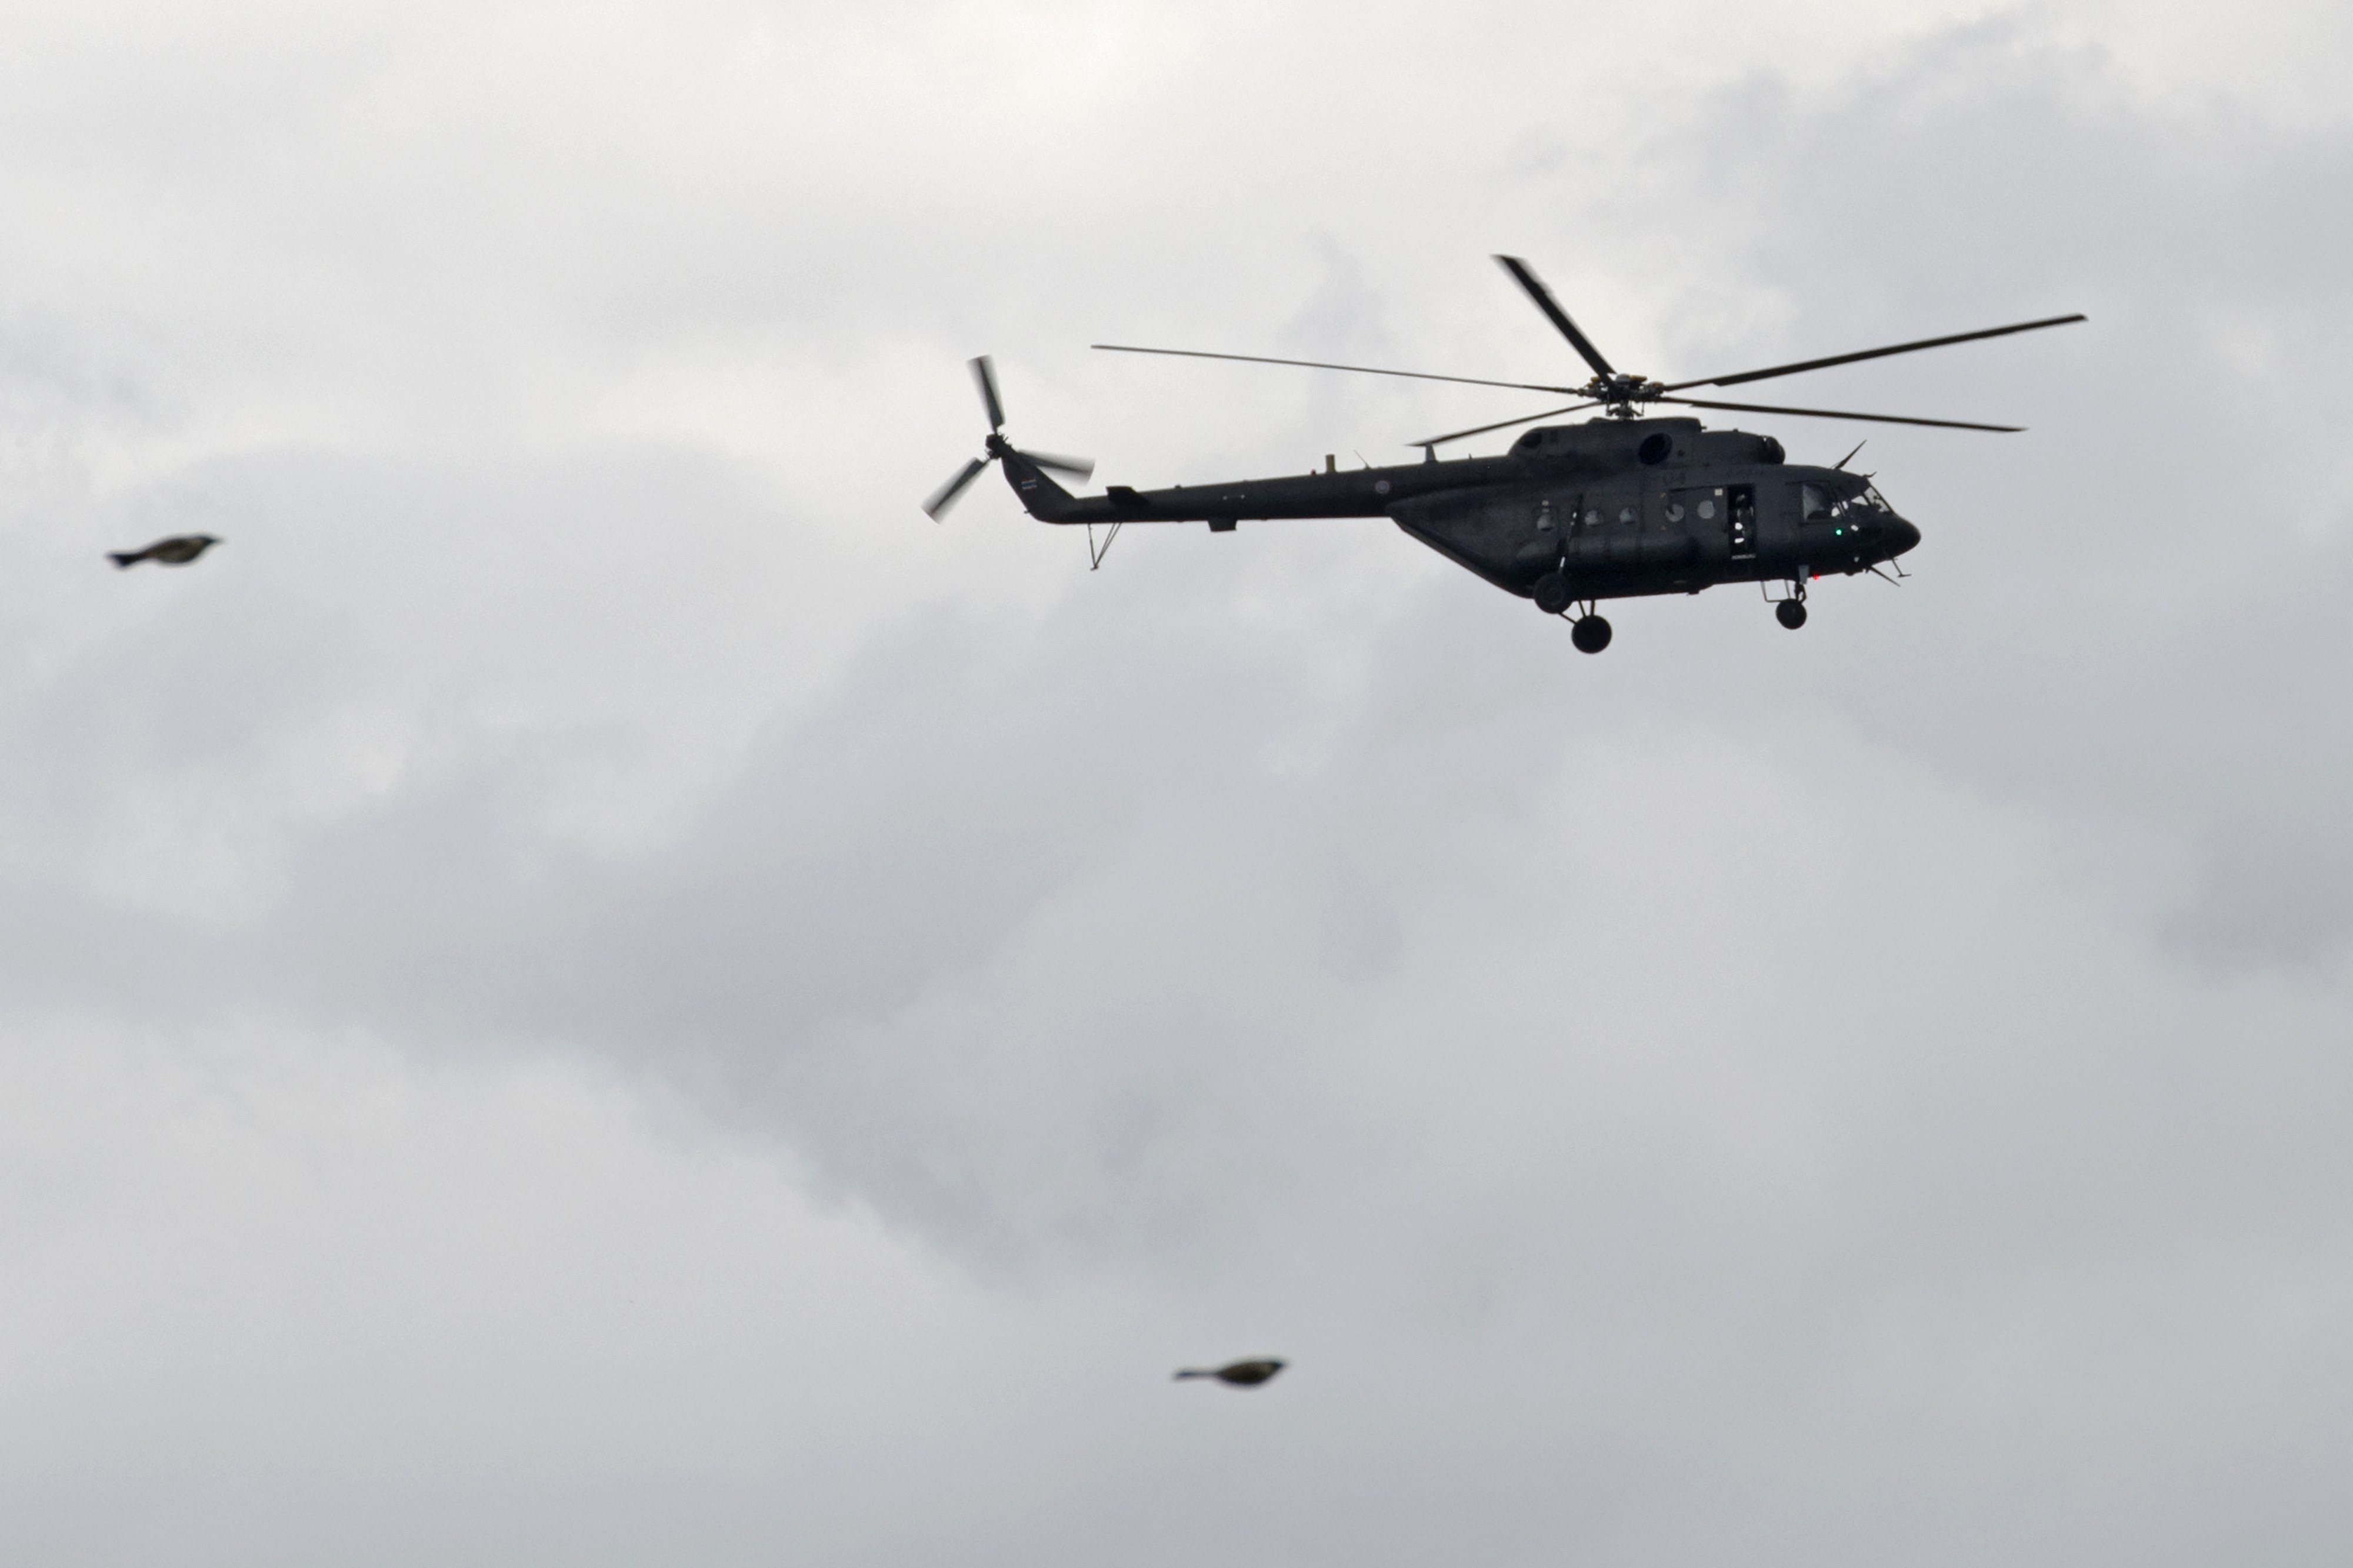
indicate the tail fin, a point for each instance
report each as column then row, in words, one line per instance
column 1040, row 496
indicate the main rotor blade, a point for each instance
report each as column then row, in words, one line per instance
column 1878, row 353
column 1084, row 467
column 1320, row 364
column 1559, row 318
column 1834, row 413
column 986, row 375
column 1504, row 424
column 946, row 495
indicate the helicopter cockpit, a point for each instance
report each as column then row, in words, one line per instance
column 1858, row 515
column 1825, row 503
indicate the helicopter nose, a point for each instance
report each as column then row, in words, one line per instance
column 1897, row 536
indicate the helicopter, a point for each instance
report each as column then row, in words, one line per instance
column 1624, row 504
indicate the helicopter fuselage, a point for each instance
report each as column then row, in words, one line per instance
column 1616, row 508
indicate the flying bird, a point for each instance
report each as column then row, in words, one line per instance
column 176, row 551
column 1241, row 1374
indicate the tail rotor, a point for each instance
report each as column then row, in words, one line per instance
column 946, row 495
column 984, row 375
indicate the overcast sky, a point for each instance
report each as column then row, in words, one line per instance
column 592, row 988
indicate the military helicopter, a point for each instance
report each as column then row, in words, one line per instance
column 1621, row 505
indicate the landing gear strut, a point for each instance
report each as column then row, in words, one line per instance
column 1590, row 632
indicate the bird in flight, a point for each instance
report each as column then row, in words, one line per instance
column 1241, row 1374
column 176, row 551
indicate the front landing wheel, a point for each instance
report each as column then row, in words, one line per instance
column 1590, row 633
column 1790, row 613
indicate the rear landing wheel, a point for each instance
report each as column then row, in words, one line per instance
column 1790, row 613
column 1590, row 633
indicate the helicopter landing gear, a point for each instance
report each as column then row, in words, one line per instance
column 1590, row 632
column 1790, row 609
column 1552, row 593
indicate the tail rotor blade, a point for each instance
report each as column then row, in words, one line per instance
column 984, row 374
column 1084, row 468
column 946, row 495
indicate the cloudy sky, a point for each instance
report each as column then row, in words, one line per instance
column 592, row 988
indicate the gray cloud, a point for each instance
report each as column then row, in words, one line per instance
column 1869, row 1095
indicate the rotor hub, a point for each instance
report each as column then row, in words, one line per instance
column 1620, row 395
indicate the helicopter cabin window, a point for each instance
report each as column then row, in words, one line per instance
column 1813, row 503
column 1679, row 508
column 1740, row 521
column 1630, row 515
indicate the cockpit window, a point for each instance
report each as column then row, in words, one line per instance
column 1814, row 502
column 1873, row 499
